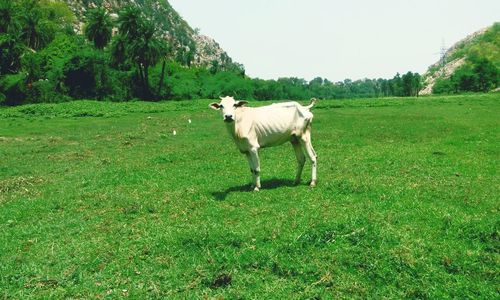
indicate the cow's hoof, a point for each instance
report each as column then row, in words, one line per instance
column 256, row 189
column 313, row 184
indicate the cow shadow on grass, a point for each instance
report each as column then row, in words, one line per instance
column 268, row 184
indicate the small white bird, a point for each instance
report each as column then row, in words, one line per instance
column 189, row 121
column 174, row 132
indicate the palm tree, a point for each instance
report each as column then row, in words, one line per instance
column 139, row 43
column 11, row 51
column 99, row 27
column 162, row 77
column 30, row 19
column 185, row 53
column 118, row 51
column 146, row 50
column 129, row 22
column 6, row 15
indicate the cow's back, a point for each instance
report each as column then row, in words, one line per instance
column 275, row 124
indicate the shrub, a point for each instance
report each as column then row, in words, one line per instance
column 43, row 91
column 58, row 51
column 443, row 86
column 11, row 50
column 13, row 88
column 86, row 75
column 120, row 83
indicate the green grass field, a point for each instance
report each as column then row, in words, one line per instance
column 101, row 200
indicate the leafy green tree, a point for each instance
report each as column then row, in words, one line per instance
column 57, row 16
column 99, row 27
column 316, row 88
column 32, row 67
column 263, row 89
column 166, row 50
column 384, row 87
column 86, row 75
column 486, row 74
column 11, row 40
column 464, row 79
column 30, row 17
column 12, row 86
column 294, row 88
column 40, row 20
column 416, row 84
column 11, row 49
column 235, row 68
column 162, row 77
column 443, row 86
column 396, row 85
column 186, row 50
column 36, row 29
column 214, row 67
column 407, row 84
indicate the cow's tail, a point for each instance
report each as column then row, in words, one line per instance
column 313, row 101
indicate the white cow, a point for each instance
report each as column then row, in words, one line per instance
column 253, row 128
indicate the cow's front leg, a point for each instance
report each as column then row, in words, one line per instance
column 250, row 164
column 255, row 167
column 306, row 143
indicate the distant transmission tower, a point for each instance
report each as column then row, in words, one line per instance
column 443, row 56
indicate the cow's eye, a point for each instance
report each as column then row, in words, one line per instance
column 221, row 106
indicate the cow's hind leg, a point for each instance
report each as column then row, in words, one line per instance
column 250, row 164
column 301, row 159
column 255, row 167
column 306, row 143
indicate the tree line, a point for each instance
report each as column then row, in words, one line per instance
column 44, row 60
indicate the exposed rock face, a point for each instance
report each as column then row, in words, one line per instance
column 446, row 71
column 188, row 46
column 208, row 50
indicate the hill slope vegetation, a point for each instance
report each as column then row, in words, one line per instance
column 472, row 64
column 188, row 46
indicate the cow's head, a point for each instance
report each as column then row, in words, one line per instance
column 228, row 107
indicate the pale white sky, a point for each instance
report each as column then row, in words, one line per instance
column 336, row 39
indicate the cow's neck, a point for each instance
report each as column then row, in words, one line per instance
column 231, row 128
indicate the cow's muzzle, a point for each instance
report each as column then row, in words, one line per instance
column 228, row 119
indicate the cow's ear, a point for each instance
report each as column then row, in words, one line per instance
column 214, row 105
column 240, row 103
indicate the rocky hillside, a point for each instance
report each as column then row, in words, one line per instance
column 188, row 46
column 485, row 42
